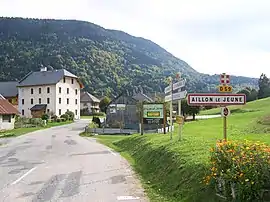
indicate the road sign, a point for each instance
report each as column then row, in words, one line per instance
column 153, row 113
column 225, row 111
column 204, row 99
column 176, row 86
column 179, row 119
column 224, row 79
column 176, row 96
column 225, row 89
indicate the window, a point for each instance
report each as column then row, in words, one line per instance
column 32, row 101
column 39, row 90
column 32, row 91
column 59, row 100
column 67, row 100
column 48, row 110
column 59, row 111
column 76, row 101
column 39, row 100
column 67, row 90
column 48, row 100
column 23, row 112
column 6, row 118
column 64, row 80
column 72, row 81
column 60, row 89
column 22, row 101
column 48, row 90
column 76, row 112
column 76, row 91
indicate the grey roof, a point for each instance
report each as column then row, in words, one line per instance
column 45, row 77
column 38, row 107
column 87, row 97
column 9, row 88
column 142, row 97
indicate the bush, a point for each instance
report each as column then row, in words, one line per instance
column 65, row 117
column 97, row 121
column 54, row 118
column 36, row 121
column 70, row 115
column 45, row 117
column 240, row 170
column 58, row 120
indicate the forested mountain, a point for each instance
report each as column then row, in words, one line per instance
column 107, row 61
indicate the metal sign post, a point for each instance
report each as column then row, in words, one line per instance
column 171, row 109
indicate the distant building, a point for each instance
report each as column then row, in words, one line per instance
column 9, row 91
column 89, row 103
column 7, row 114
column 123, row 111
column 49, row 91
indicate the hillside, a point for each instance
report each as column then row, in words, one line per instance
column 107, row 61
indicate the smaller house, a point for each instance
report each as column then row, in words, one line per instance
column 7, row 114
column 38, row 110
column 89, row 103
column 9, row 91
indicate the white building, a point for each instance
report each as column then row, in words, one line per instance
column 7, row 114
column 52, row 91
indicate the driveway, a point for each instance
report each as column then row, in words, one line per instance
column 57, row 164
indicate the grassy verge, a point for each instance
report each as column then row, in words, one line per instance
column 21, row 131
column 173, row 171
column 91, row 117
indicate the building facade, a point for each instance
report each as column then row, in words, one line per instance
column 57, row 90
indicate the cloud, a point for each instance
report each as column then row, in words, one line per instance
column 212, row 36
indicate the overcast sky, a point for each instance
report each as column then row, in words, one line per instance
column 213, row 36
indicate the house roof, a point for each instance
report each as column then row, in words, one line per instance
column 39, row 107
column 45, row 77
column 9, row 88
column 142, row 97
column 87, row 97
column 6, row 107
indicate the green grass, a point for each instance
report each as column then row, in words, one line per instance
column 21, row 131
column 172, row 171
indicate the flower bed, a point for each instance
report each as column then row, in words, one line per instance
column 240, row 171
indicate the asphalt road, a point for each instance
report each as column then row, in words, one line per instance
column 57, row 164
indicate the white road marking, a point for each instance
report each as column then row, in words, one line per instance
column 113, row 153
column 124, row 198
column 27, row 173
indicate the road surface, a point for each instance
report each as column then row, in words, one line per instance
column 58, row 165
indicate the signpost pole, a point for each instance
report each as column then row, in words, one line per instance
column 171, row 109
column 225, row 127
column 179, row 113
column 164, row 117
column 142, row 128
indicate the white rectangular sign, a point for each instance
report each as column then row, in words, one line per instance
column 176, row 86
column 200, row 99
column 176, row 96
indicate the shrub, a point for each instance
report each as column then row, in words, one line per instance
column 97, row 121
column 45, row 117
column 240, row 171
column 54, row 117
column 58, row 120
column 36, row 121
column 65, row 117
column 71, row 115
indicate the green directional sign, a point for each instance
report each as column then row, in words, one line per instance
column 153, row 113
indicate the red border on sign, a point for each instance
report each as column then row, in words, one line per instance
column 214, row 94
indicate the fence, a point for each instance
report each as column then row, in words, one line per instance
column 111, row 131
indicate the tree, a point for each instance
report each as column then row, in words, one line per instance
column 264, row 87
column 104, row 103
column 189, row 110
column 251, row 94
